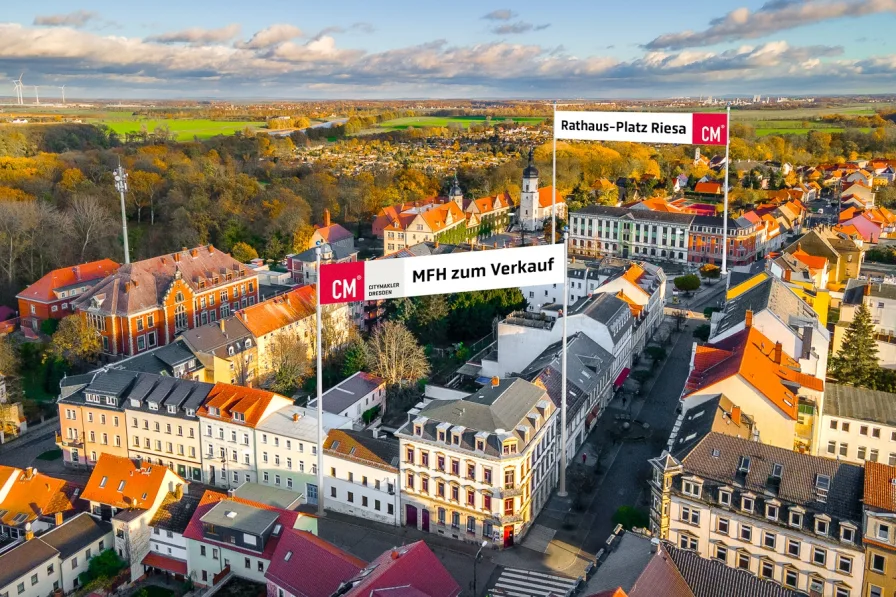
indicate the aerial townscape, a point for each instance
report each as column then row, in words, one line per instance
column 419, row 303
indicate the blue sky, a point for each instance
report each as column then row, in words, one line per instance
column 403, row 49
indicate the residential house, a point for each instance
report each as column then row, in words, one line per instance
column 331, row 234
column 483, row 466
column 778, row 514
column 445, row 222
column 30, row 500
column 844, row 256
column 537, row 205
column 52, row 562
column 226, row 350
column 599, row 230
column 168, row 546
column 760, row 378
column 150, row 302
column 303, row 266
column 361, row 475
column 91, row 416
column 858, row 194
column 234, row 536
column 589, row 385
column 51, row 296
column 129, row 495
column 228, row 418
column 304, row 565
column 286, row 448
column 174, row 360
column 879, row 530
column 391, row 213
column 880, row 299
column 858, row 425
column 708, row 188
column 707, row 237
column 361, row 397
column 862, row 227
column 163, row 422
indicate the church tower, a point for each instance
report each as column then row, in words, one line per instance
column 455, row 194
column 529, row 209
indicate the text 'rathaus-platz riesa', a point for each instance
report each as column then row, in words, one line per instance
column 705, row 408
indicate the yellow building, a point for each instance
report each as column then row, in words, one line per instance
column 91, row 416
column 226, row 350
column 879, row 530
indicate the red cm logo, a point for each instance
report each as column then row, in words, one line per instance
column 710, row 129
column 342, row 282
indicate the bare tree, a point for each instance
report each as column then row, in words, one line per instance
column 90, row 222
column 337, row 329
column 679, row 317
column 395, row 354
column 14, row 218
column 289, row 362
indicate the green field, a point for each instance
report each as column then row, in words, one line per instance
column 183, row 130
column 442, row 121
column 778, row 130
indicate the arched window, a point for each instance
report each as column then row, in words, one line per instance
column 179, row 297
column 180, row 317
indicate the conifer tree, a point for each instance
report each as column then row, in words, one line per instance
column 856, row 361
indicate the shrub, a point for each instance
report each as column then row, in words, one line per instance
column 702, row 332
column 630, row 517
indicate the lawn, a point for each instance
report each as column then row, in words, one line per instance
column 184, row 130
column 442, row 121
column 780, row 130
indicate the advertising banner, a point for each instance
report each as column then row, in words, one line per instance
column 643, row 127
column 441, row 274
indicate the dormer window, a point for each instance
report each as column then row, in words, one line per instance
column 230, row 351
column 847, row 533
column 455, row 439
column 822, row 526
column 191, row 412
column 508, row 447
column 135, row 403
column 747, row 504
column 248, row 343
column 214, row 411
column 724, row 497
column 691, row 488
column 480, row 445
column 441, row 436
column 239, row 417
column 111, row 400
column 771, row 511
column 92, row 398
column 153, row 405
column 796, row 519
column 172, row 409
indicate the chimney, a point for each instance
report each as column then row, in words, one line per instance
column 29, row 534
column 176, row 257
column 735, row 415
column 295, row 417
column 395, row 555
column 496, row 380
column 787, row 275
column 58, row 517
column 778, row 353
column 221, row 323
column 194, row 253
column 179, row 491
column 748, row 319
column 654, row 545
column 127, row 286
column 326, row 217
column 211, row 249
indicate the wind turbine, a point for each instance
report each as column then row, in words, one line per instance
column 20, row 90
column 63, row 93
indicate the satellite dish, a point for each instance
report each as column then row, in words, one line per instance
column 27, row 527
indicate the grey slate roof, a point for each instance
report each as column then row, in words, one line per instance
column 270, row 496
column 860, row 403
column 855, row 291
column 716, row 459
column 210, row 338
column 76, row 534
column 712, row 578
column 742, row 273
column 339, row 253
column 161, row 360
column 22, row 559
column 240, row 517
column 606, row 211
column 773, row 294
column 348, row 392
column 493, row 410
column 697, row 421
column 605, row 308
column 174, row 514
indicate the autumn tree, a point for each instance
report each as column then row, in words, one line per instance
column 687, row 283
column 710, row 271
column 856, row 361
column 243, row 252
column 289, row 362
column 395, row 354
column 75, row 341
column 355, row 358
column 144, row 189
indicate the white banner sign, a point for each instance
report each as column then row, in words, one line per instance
column 643, row 127
column 441, row 274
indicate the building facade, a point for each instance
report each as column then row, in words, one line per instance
column 857, row 425
column 599, row 230
column 879, row 530
column 91, row 416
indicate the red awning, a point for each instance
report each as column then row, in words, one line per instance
column 592, row 415
column 623, row 375
column 157, row 560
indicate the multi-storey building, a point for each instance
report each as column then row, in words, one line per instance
column 361, row 475
column 879, row 530
column 482, row 467
column 781, row 515
column 51, row 296
column 858, row 425
column 168, row 547
column 149, row 303
column 303, row 266
column 706, row 239
column 286, row 448
column 880, row 299
column 163, row 422
column 599, row 230
column 32, row 500
column 228, row 419
column 843, row 254
column 226, row 350
column 91, row 416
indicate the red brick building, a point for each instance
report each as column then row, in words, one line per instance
column 148, row 303
column 51, row 296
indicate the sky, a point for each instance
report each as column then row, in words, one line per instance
column 403, row 49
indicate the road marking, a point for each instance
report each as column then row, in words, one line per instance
column 515, row 582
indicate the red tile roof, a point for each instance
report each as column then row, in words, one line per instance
column 277, row 312
column 411, row 565
column 299, row 552
column 35, row 494
column 157, row 560
column 880, row 486
column 118, row 481
column 545, row 194
column 708, row 187
column 228, row 399
column 43, row 289
column 812, row 261
column 333, row 233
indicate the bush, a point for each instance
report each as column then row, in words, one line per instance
column 657, row 353
column 48, row 326
column 630, row 517
column 707, row 312
column 702, row 332
column 105, row 566
column 642, row 375
column 687, row 282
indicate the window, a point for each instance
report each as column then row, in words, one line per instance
column 771, row 512
column 844, row 564
column 743, row 561
column 878, row 563
column 796, row 519
column 860, row 454
column 766, row 569
column 791, row 577
column 819, row 556
column 863, row 430
column 883, row 532
column 844, row 448
column 455, row 520
column 873, row 455
column 721, row 553
column 722, row 525
column 821, row 526
column 690, row 515
column 834, row 424
column 847, row 533
column 688, row 542
column 691, row 488
column 769, row 540
column 724, row 497
column 747, row 504
column 746, row 532
column 844, row 426
column 351, row 496
column 793, row 548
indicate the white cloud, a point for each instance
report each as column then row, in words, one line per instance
column 518, row 27
column 78, row 18
column 271, row 36
column 504, row 14
column 198, row 35
column 772, row 17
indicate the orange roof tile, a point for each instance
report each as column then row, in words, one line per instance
column 333, row 233
column 633, row 274
column 438, row 218
column 634, row 307
column 814, row 262
column 660, row 204
column 43, row 289
column 401, row 222
column 278, row 312
column 35, row 494
column 708, row 187
column 347, row 445
column 118, row 481
column 880, row 486
column 248, row 402
column 545, row 194
column 849, row 213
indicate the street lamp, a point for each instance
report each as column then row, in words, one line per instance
column 476, row 561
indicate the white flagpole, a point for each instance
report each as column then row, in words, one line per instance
column 725, row 182
column 561, row 491
column 320, row 401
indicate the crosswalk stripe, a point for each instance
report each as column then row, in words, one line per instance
column 515, row 582
column 540, row 577
column 529, row 586
column 527, row 582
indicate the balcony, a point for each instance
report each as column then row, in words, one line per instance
column 68, row 442
column 885, row 338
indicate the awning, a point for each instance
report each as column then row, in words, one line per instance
column 623, row 375
column 157, row 560
column 592, row 415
